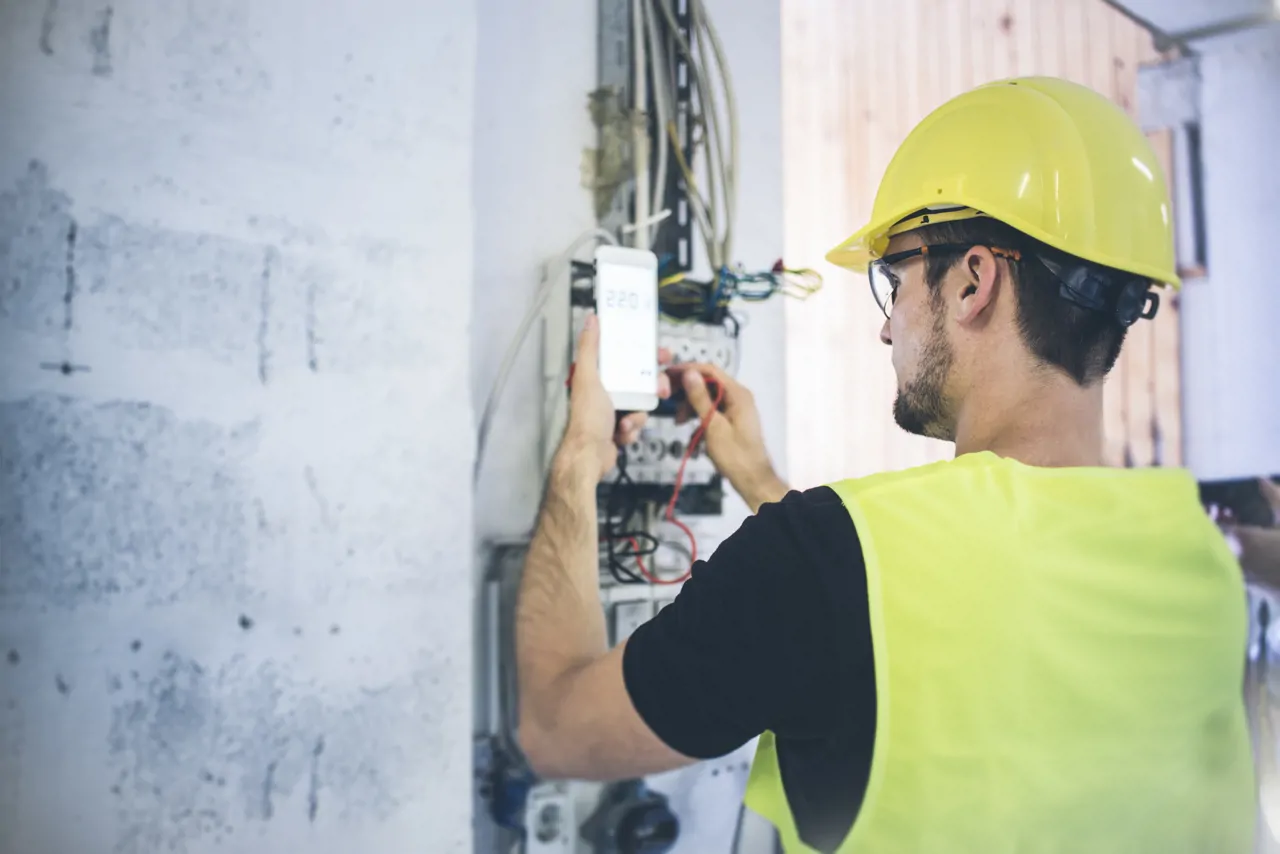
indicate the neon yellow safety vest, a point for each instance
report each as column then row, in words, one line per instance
column 1059, row 663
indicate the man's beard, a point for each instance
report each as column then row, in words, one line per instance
column 921, row 407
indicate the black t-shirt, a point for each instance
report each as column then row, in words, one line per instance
column 772, row 632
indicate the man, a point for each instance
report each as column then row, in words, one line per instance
column 1017, row 650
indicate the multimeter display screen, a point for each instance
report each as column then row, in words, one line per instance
column 627, row 306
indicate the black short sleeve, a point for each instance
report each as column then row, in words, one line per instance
column 772, row 632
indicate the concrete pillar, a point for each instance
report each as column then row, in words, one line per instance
column 235, row 426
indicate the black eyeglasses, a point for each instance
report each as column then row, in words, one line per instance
column 885, row 283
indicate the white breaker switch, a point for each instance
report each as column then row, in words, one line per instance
column 629, row 616
column 699, row 342
column 687, row 342
column 655, row 457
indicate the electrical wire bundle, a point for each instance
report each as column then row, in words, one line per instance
column 709, row 133
column 700, row 133
column 684, row 298
column 620, row 528
column 799, row 283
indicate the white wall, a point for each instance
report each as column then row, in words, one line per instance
column 232, row 578
column 751, row 32
column 1177, row 17
column 1231, row 348
column 537, row 63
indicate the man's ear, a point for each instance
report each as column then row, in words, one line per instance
column 977, row 286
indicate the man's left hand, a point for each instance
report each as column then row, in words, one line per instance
column 594, row 428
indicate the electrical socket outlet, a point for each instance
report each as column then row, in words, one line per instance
column 550, row 826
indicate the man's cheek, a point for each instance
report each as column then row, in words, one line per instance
column 899, row 358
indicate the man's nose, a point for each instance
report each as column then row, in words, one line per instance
column 885, row 337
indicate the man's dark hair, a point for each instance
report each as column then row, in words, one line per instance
column 1080, row 341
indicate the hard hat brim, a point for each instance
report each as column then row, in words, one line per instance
column 870, row 242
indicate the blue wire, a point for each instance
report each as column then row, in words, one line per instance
column 750, row 287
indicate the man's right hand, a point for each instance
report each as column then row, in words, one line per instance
column 733, row 436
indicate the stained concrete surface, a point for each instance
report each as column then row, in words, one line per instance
column 235, row 428
column 69, row 469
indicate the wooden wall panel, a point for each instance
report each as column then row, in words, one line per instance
column 1164, row 365
column 857, row 76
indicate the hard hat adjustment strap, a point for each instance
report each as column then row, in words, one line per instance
column 1136, row 302
column 1091, row 288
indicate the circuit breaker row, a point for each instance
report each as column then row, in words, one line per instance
column 699, row 342
column 687, row 341
column 655, row 458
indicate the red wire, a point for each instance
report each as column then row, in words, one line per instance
column 671, row 505
column 675, row 496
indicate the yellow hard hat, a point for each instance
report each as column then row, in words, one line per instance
column 1053, row 159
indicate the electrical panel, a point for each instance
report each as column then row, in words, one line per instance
column 656, row 457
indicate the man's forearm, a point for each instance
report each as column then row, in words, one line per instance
column 761, row 487
column 559, row 621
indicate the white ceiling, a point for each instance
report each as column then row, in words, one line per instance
column 1175, row 17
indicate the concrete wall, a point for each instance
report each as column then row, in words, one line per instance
column 235, row 428
column 1230, row 346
